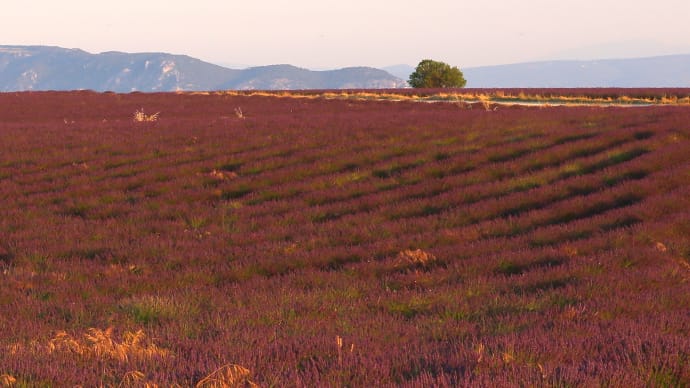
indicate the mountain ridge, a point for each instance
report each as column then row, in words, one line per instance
column 655, row 71
column 55, row 68
column 25, row 68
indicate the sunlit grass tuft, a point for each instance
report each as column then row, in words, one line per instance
column 7, row 380
column 102, row 344
column 140, row 116
column 228, row 376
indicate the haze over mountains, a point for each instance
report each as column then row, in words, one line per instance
column 54, row 68
column 661, row 71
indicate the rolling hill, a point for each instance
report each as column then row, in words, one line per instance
column 55, row 68
column 662, row 71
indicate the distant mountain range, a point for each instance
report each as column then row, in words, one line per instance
column 662, row 71
column 55, row 68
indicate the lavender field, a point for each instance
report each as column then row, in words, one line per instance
column 239, row 240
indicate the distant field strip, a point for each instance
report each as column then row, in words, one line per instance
column 487, row 97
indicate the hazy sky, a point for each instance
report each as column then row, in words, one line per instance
column 327, row 34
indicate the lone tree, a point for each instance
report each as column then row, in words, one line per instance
column 434, row 74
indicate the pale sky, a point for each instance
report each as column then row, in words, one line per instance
column 321, row 34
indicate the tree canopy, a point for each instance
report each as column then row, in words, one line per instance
column 434, row 74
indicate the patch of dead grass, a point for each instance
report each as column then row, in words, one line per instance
column 228, row 376
column 102, row 344
column 415, row 258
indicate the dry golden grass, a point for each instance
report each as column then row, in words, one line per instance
column 222, row 175
column 7, row 380
column 480, row 350
column 98, row 344
column 133, row 378
column 228, row 376
column 101, row 344
column 661, row 247
column 416, row 257
column 140, row 116
column 498, row 96
column 486, row 105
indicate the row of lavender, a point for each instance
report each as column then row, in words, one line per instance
column 341, row 242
